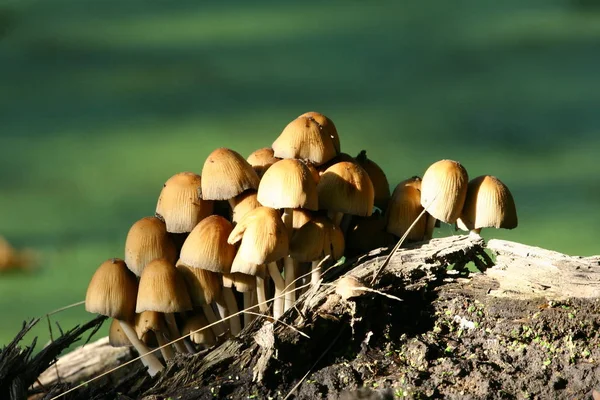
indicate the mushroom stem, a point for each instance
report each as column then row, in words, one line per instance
column 315, row 276
column 261, row 294
column 278, row 301
column 248, row 306
column 288, row 263
column 216, row 324
column 223, row 313
column 231, row 304
column 289, row 266
column 189, row 345
column 166, row 350
column 174, row 331
column 148, row 359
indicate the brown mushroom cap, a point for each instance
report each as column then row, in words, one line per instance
column 404, row 208
column 195, row 325
column 261, row 160
column 444, row 189
column 300, row 217
column 337, row 159
column 381, row 185
column 489, row 204
column 206, row 246
column 162, row 289
column 263, row 239
column 346, row 187
column 148, row 240
column 226, row 174
column 180, row 204
column 317, row 239
column 203, row 286
column 288, row 184
column 242, row 204
column 243, row 283
column 150, row 322
column 112, row 291
column 304, row 138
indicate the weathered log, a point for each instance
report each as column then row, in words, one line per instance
column 494, row 334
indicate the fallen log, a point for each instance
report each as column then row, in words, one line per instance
column 525, row 327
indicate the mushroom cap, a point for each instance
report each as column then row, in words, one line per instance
column 489, row 204
column 327, row 126
column 243, row 283
column 243, row 204
column 314, row 172
column 346, row 187
column 203, row 286
column 180, row 204
column 112, row 291
column 444, row 189
column 261, row 160
column 304, row 138
column 263, row 239
column 380, row 182
column 366, row 234
column 150, row 321
column 317, row 239
column 147, row 240
column 337, row 159
column 288, row 184
column 116, row 336
column 300, row 217
column 404, row 208
column 162, row 289
column 195, row 325
column 206, row 246
column 226, row 174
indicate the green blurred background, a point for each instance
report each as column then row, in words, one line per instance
column 102, row 100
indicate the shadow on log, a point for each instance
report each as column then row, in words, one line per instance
column 527, row 327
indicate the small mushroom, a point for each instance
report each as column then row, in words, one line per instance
column 444, row 189
column 148, row 240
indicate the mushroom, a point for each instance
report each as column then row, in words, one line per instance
column 242, row 204
column 206, row 248
column 288, row 184
column 444, row 189
column 245, row 284
column 327, row 126
column 154, row 322
column 261, row 160
column 404, row 208
column 112, row 291
column 263, row 241
column 345, row 188
column 195, row 327
column 489, row 204
column 162, row 289
column 381, row 185
column 147, row 240
column 116, row 336
column 306, row 139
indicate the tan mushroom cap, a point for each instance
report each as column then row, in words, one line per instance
column 261, row 160
column 444, row 189
column 346, row 187
column 489, row 204
column 337, row 159
column 204, row 287
column 243, row 282
column 314, row 172
column 327, row 126
column 244, row 203
column 300, row 217
column 380, row 182
column 150, row 321
column 263, row 239
column 288, row 184
column 112, row 291
column 304, row 138
column 148, row 240
column 162, row 289
column 116, row 336
column 317, row 239
column 226, row 174
column 206, row 246
column 195, row 325
column 404, row 208
column 180, row 204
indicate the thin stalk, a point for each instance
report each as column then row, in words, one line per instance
column 231, row 304
column 289, row 271
column 166, row 350
column 315, row 276
column 248, row 305
column 174, row 331
column 217, row 325
column 261, row 294
column 148, row 359
column 278, row 301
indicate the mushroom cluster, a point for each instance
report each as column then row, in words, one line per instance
column 250, row 232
